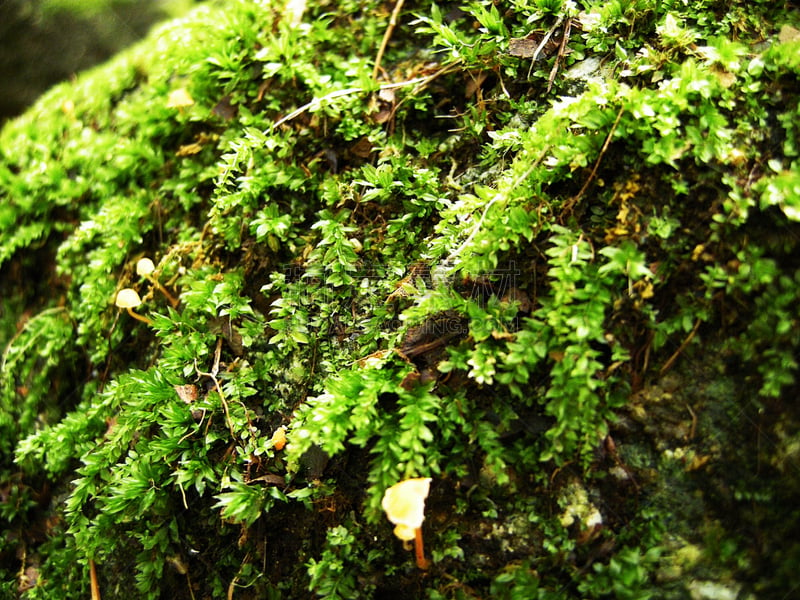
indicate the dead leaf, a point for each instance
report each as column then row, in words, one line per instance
column 224, row 327
column 187, row 393
column 382, row 116
column 726, row 79
column 28, row 579
column 262, row 89
column 362, row 148
column 698, row 462
column 374, row 357
column 270, row 478
column 522, row 47
column 515, row 294
column 526, row 47
column 189, row 149
column 502, row 335
column 474, row 83
column 788, row 34
column 225, row 109
column 388, row 95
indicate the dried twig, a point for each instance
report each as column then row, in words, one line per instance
column 693, row 428
column 235, row 580
column 671, row 360
column 574, row 200
column 560, row 55
column 316, row 102
column 93, row 581
column 386, row 37
column 213, row 376
column 543, row 43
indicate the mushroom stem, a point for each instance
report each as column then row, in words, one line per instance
column 419, row 551
column 139, row 317
column 170, row 298
column 146, row 268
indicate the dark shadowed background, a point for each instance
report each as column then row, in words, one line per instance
column 43, row 42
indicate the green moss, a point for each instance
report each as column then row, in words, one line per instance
column 561, row 288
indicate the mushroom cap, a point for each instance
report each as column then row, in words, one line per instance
column 404, row 504
column 179, row 98
column 405, row 533
column 127, row 298
column 145, row 267
column 279, row 438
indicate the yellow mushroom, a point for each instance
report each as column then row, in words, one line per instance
column 404, row 504
column 179, row 99
column 279, row 438
column 128, row 299
column 145, row 268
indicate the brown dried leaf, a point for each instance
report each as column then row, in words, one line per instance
column 522, row 47
column 388, row 95
column 362, row 148
column 474, row 83
column 526, row 47
column 187, row 393
column 788, row 34
column 381, row 116
column 225, row 109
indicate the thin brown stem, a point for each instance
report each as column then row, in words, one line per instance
column 419, row 551
column 574, row 200
column 218, row 387
column 671, row 360
column 559, row 56
column 95, row 588
column 386, row 37
column 418, row 83
column 170, row 298
column 139, row 317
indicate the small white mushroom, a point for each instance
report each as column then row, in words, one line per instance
column 129, row 299
column 145, row 268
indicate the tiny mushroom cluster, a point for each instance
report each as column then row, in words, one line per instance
column 128, row 298
column 404, row 504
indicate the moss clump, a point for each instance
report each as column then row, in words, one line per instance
column 499, row 260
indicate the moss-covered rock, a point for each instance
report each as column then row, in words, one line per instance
column 541, row 252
